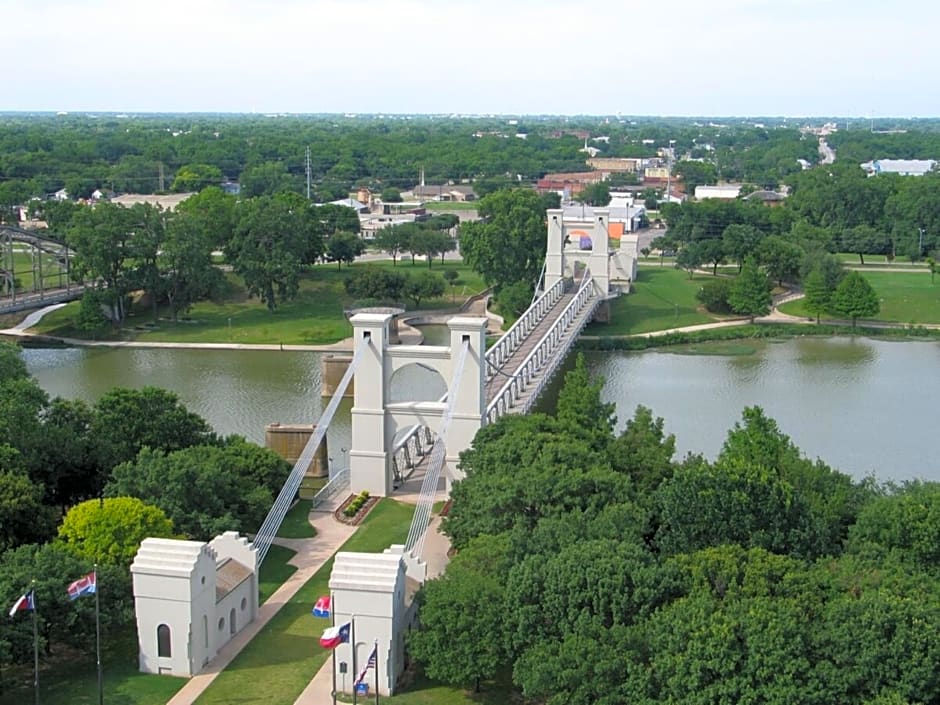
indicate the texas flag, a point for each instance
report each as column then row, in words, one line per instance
column 322, row 606
column 24, row 604
column 334, row 636
column 84, row 586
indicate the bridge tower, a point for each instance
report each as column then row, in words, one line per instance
column 560, row 264
column 376, row 420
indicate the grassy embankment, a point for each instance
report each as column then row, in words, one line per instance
column 662, row 298
column 906, row 297
column 314, row 317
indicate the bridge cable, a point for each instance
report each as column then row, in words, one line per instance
column 272, row 522
column 422, row 516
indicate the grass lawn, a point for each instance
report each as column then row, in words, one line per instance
column 906, row 297
column 437, row 206
column 296, row 524
column 425, row 692
column 280, row 661
column 851, row 259
column 314, row 317
column 662, row 298
column 75, row 682
column 274, row 571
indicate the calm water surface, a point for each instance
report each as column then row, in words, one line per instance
column 864, row 406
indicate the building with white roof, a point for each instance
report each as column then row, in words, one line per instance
column 904, row 167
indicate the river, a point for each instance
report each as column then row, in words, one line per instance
column 864, row 406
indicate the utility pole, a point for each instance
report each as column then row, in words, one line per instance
column 307, row 166
column 160, row 185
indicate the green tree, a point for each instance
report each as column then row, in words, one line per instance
column 390, row 194
column 690, row 258
column 111, row 530
column 712, row 251
column 695, row 174
column 195, row 177
column 595, row 194
column 581, row 409
column 90, row 318
column 205, row 490
column 429, row 243
column 452, row 277
column 644, row 451
column 126, row 420
column 101, row 239
column 185, row 262
column 210, row 213
column 750, row 292
column 780, row 258
column 344, row 247
column 266, row 179
column 508, row 243
column 460, row 640
column 817, row 295
column 64, row 627
column 855, row 298
column 23, row 515
column 394, row 239
column 375, row 283
column 714, row 295
column 514, row 298
column 68, row 459
column 268, row 248
column 741, row 241
column 422, row 287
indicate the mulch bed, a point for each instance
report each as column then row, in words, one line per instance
column 445, row 510
column 360, row 515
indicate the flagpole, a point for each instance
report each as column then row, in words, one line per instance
column 35, row 645
column 376, row 647
column 355, row 671
column 98, row 639
column 333, row 623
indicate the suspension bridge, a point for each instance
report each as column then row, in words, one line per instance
column 390, row 439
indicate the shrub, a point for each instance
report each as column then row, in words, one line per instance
column 714, row 295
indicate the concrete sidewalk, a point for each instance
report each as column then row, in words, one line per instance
column 310, row 557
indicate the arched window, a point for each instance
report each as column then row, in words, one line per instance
column 231, row 621
column 164, row 645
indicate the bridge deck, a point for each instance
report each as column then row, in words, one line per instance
column 514, row 361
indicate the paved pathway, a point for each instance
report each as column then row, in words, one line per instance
column 310, row 557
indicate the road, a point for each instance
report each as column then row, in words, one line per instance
column 827, row 155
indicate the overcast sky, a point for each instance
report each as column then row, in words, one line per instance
column 634, row 57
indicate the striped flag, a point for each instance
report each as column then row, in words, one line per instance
column 373, row 657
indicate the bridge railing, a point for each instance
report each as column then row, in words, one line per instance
column 337, row 483
column 410, row 449
column 532, row 368
column 500, row 351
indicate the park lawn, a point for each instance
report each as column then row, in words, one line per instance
column 851, row 259
column 425, row 692
column 314, row 317
column 437, row 206
column 661, row 298
column 274, row 571
column 75, row 681
column 282, row 659
column 906, row 297
column 296, row 524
